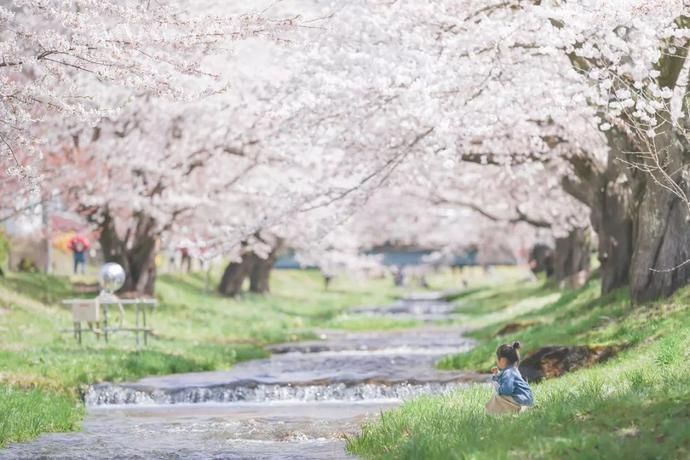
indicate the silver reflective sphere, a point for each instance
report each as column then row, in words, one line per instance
column 112, row 277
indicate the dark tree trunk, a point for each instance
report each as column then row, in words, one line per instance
column 235, row 274
column 607, row 191
column 662, row 246
column 186, row 263
column 661, row 231
column 136, row 252
column 257, row 269
column 572, row 258
column 143, row 265
column 614, row 226
column 541, row 260
column 654, row 253
column 643, row 227
column 259, row 281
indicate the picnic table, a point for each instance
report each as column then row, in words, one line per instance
column 96, row 314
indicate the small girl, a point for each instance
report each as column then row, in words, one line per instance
column 513, row 394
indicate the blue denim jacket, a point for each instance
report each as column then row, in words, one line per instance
column 510, row 383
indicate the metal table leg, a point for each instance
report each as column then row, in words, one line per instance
column 77, row 331
column 137, row 323
column 105, row 322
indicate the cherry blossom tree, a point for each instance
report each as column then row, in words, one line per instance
column 533, row 65
column 507, row 84
column 448, row 115
column 351, row 91
column 64, row 59
column 110, row 87
column 419, row 118
column 633, row 55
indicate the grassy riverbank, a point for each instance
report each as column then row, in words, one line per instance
column 636, row 405
column 43, row 372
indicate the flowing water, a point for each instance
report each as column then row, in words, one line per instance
column 303, row 402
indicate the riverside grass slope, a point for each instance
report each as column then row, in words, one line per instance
column 636, row 405
column 43, row 373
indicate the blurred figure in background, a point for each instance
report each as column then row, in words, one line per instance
column 399, row 276
column 79, row 245
column 186, row 260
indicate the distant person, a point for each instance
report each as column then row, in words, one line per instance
column 79, row 245
column 186, row 260
column 399, row 277
column 513, row 394
column 327, row 278
column 423, row 282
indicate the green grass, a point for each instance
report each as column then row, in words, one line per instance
column 370, row 323
column 38, row 286
column 563, row 318
column 636, row 405
column 28, row 413
column 43, row 372
column 194, row 330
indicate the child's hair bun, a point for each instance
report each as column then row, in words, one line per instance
column 516, row 345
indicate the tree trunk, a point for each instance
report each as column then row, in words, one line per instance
column 661, row 231
column 541, row 260
column 614, row 227
column 572, row 258
column 607, row 191
column 235, row 274
column 259, row 281
column 186, row 263
column 136, row 252
column 143, row 265
column 653, row 255
column 662, row 246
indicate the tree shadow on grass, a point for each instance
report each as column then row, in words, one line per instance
column 43, row 288
column 454, row 296
column 189, row 285
column 500, row 299
column 319, row 315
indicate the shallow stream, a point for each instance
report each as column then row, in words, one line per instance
column 302, row 402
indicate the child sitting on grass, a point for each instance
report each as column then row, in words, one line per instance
column 513, row 394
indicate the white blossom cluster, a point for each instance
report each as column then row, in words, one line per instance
column 334, row 125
